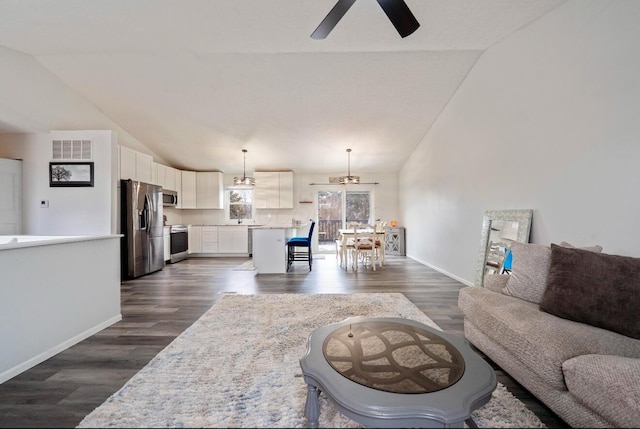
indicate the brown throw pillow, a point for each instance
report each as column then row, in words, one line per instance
column 596, row 248
column 594, row 288
column 529, row 269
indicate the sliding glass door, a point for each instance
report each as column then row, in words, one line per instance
column 336, row 208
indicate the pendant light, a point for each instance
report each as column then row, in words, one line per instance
column 349, row 179
column 244, row 180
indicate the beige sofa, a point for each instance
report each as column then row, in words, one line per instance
column 588, row 375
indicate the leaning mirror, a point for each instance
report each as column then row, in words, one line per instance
column 500, row 228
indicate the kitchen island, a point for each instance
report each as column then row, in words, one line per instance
column 270, row 249
column 56, row 291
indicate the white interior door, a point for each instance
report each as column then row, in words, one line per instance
column 11, row 201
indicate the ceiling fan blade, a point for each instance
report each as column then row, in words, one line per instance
column 400, row 16
column 332, row 19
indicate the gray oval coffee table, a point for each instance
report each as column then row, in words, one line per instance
column 394, row 372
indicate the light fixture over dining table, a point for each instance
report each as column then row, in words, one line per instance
column 349, row 179
column 244, row 180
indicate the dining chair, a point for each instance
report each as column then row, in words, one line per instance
column 339, row 248
column 381, row 240
column 300, row 242
column 344, row 245
column 366, row 247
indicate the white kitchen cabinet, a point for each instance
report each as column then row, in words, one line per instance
column 195, row 239
column 136, row 165
column 165, row 176
column 209, row 190
column 273, row 190
column 178, row 178
column 158, row 174
column 233, row 239
column 170, row 179
column 286, row 189
column 210, row 239
column 127, row 163
column 188, row 190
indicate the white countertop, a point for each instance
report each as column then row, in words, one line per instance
column 254, row 225
column 225, row 224
column 21, row 241
column 275, row 227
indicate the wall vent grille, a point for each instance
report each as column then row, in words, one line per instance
column 68, row 150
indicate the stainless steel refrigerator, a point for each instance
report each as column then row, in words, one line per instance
column 143, row 241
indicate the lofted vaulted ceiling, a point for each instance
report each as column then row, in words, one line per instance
column 196, row 81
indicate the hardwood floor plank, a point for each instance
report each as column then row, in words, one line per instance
column 158, row 307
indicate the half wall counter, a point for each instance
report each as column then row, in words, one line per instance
column 269, row 248
column 56, row 291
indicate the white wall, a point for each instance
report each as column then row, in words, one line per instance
column 547, row 120
column 36, row 99
column 33, row 98
column 71, row 211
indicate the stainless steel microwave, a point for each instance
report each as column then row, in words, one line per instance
column 169, row 198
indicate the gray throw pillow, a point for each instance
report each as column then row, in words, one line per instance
column 594, row 288
column 529, row 268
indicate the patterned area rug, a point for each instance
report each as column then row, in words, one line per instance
column 238, row 366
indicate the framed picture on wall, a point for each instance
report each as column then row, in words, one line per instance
column 70, row 174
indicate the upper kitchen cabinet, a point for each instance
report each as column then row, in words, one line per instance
column 202, row 190
column 209, row 190
column 273, row 190
column 136, row 165
column 188, row 190
column 168, row 177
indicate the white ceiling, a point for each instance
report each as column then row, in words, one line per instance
column 196, row 81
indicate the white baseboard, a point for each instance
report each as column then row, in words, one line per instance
column 30, row 363
column 440, row 270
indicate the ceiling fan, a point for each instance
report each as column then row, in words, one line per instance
column 397, row 11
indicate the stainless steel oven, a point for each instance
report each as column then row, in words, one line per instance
column 179, row 237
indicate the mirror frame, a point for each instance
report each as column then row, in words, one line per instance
column 523, row 217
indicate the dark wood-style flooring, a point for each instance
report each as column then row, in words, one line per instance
column 158, row 307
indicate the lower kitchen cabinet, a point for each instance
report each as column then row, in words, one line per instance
column 195, row 239
column 233, row 239
column 222, row 240
column 210, row 239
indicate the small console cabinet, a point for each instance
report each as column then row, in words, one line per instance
column 394, row 241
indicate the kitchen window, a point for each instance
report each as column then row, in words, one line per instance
column 240, row 204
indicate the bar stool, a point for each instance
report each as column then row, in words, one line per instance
column 300, row 242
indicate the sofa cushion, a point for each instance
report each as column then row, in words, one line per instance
column 540, row 340
column 596, row 288
column 608, row 385
column 529, row 270
column 495, row 282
